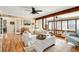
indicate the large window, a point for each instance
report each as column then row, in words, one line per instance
column 64, row 25
column 48, row 19
column 71, row 25
column 59, row 25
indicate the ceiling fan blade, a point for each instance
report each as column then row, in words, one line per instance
column 37, row 13
column 39, row 10
column 34, row 13
column 27, row 10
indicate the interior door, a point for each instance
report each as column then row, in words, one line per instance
column 18, row 25
column 10, row 26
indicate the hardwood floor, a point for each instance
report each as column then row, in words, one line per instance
column 0, row 44
column 12, row 43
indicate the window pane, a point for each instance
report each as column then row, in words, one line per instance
column 59, row 25
column 64, row 25
column 0, row 25
column 39, row 24
column 71, row 24
column 44, row 23
column 77, row 24
column 55, row 25
column 51, row 25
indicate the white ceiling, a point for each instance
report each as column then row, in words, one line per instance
column 68, row 15
column 20, row 10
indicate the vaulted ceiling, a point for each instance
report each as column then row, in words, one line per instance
column 25, row 11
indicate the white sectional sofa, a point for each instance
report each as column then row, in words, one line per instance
column 73, row 38
column 40, row 45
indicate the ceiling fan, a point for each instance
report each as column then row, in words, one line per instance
column 34, row 11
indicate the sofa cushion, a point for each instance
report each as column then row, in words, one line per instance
column 41, row 45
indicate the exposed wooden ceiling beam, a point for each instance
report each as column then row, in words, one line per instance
column 61, row 12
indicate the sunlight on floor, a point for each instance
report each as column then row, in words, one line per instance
column 60, row 46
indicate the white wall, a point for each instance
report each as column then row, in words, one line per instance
column 18, row 23
column 31, row 27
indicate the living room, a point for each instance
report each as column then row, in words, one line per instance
column 51, row 28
